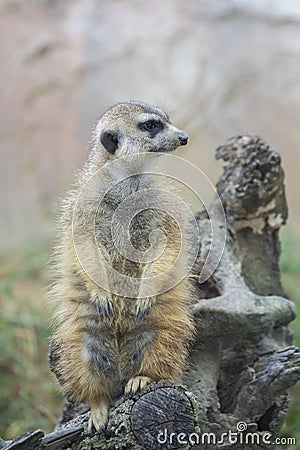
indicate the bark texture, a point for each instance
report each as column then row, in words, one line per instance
column 243, row 361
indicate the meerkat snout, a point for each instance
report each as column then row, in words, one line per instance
column 183, row 138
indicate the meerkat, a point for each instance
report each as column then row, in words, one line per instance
column 106, row 343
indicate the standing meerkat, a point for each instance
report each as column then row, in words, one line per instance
column 110, row 338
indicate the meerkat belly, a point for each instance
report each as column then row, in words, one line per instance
column 117, row 347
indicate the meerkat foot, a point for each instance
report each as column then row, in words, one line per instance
column 143, row 307
column 98, row 418
column 103, row 303
column 136, row 384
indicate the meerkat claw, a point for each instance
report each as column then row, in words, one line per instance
column 136, row 384
column 137, row 312
column 98, row 418
column 104, row 305
column 143, row 307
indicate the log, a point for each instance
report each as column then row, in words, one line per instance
column 235, row 392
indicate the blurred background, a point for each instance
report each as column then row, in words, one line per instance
column 219, row 68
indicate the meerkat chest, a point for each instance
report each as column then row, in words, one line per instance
column 127, row 217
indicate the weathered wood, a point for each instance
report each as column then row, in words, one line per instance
column 252, row 192
column 163, row 409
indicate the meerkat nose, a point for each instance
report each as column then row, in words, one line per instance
column 183, row 138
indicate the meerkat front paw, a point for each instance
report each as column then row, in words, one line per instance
column 143, row 307
column 98, row 418
column 103, row 302
column 136, row 384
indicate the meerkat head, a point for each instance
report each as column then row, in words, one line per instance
column 134, row 127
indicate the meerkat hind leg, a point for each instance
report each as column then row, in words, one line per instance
column 99, row 417
column 136, row 384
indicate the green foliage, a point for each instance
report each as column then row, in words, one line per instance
column 28, row 395
column 290, row 268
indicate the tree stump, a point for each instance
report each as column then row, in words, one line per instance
column 242, row 362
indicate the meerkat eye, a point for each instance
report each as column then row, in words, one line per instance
column 153, row 126
column 149, row 125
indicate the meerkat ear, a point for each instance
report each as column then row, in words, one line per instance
column 109, row 140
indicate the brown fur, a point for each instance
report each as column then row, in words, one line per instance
column 96, row 358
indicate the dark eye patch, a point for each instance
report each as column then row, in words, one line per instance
column 151, row 126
